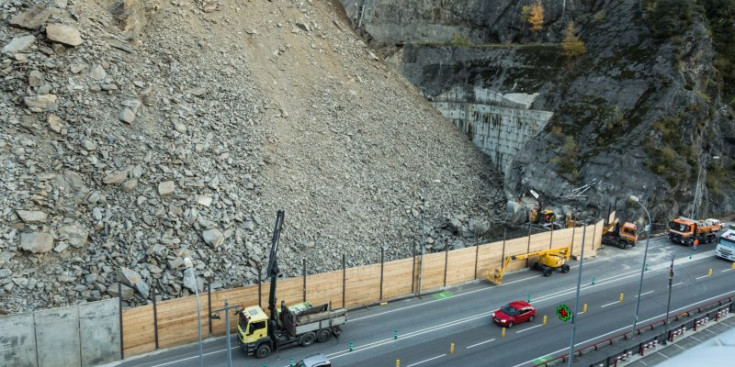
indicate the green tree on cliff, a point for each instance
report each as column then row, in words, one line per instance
column 572, row 46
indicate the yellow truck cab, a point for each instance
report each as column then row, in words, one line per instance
column 252, row 327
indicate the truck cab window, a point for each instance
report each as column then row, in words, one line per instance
column 256, row 326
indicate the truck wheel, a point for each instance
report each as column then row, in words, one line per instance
column 621, row 244
column 710, row 239
column 565, row 268
column 547, row 271
column 308, row 339
column 323, row 335
column 534, row 265
column 264, row 350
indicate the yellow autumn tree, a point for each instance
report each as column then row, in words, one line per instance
column 534, row 15
column 572, row 46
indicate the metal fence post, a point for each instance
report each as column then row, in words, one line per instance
column 304, row 274
column 344, row 279
column 209, row 304
column 528, row 248
column 155, row 318
column 477, row 255
column 446, row 264
column 119, row 298
column 260, row 290
column 382, row 264
column 413, row 271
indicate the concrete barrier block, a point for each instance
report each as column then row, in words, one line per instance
column 57, row 337
column 17, row 341
column 99, row 325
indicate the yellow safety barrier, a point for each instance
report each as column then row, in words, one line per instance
column 710, row 272
column 451, row 348
column 584, row 309
column 621, row 297
column 502, row 333
column 398, row 363
column 545, row 319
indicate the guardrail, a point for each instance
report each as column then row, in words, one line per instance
column 716, row 311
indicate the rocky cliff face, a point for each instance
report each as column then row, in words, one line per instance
column 134, row 134
column 634, row 115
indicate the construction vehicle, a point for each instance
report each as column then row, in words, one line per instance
column 545, row 260
column 300, row 324
column 684, row 230
column 623, row 236
column 726, row 245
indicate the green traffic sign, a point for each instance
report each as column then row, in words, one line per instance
column 563, row 312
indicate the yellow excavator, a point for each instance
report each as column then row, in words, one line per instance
column 546, row 261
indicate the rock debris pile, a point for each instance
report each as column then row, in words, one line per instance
column 135, row 134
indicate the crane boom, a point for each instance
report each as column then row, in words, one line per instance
column 273, row 272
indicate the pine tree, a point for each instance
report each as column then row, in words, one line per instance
column 572, row 46
column 537, row 16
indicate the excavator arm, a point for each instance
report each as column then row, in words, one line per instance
column 272, row 272
column 496, row 276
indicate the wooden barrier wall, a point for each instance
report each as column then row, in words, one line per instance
column 177, row 318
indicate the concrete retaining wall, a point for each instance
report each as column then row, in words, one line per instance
column 57, row 337
column 498, row 125
column 17, row 341
column 99, row 325
column 83, row 335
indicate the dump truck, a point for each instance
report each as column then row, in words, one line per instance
column 298, row 324
column 545, row 260
column 685, row 230
column 726, row 245
column 622, row 236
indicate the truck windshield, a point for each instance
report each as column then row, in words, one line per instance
column 679, row 227
column 242, row 320
column 727, row 243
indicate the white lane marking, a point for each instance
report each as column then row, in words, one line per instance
column 426, row 360
column 610, row 304
column 526, row 329
column 703, row 276
column 689, row 306
column 730, row 269
column 645, row 293
column 675, row 284
column 481, row 343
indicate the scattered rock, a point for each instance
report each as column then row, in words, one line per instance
column 64, row 34
column 33, row 18
column 166, row 188
column 133, row 280
column 36, row 242
column 213, row 237
column 41, row 103
column 127, row 116
column 32, row 216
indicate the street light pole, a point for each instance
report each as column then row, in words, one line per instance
column 643, row 267
column 423, row 235
column 189, row 266
column 668, row 303
column 215, row 315
column 576, row 299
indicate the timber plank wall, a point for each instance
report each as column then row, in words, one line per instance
column 351, row 287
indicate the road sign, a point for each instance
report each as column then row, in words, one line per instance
column 563, row 312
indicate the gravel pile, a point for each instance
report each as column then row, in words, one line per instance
column 134, row 134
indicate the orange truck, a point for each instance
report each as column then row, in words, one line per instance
column 684, row 230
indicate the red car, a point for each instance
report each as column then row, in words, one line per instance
column 514, row 313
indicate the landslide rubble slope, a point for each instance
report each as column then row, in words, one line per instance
column 177, row 129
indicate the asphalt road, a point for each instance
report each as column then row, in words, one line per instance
column 420, row 331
